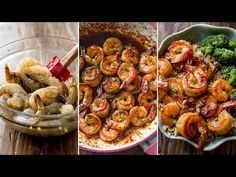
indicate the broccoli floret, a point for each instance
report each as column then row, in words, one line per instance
column 232, row 44
column 224, row 56
column 214, row 41
column 229, row 73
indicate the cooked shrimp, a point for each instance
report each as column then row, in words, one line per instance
column 125, row 101
column 139, row 115
column 81, row 62
column 135, row 85
column 164, row 97
column 146, row 99
column 148, row 62
column 149, row 82
column 206, row 65
column 85, row 96
column 120, row 120
column 111, row 84
column 90, row 125
column 221, row 89
column 175, row 87
column 130, row 55
column 194, row 82
column 126, row 73
column 169, row 113
column 192, row 125
column 210, row 107
column 112, row 46
column 109, row 65
column 179, row 51
column 92, row 76
column 48, row 95
column 108, row 134
column 100, row 106
column 164, row 67
column 94, row 55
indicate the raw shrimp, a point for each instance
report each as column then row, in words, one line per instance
column 192, row 125
column 92, row 76
column 139, row 115
column 179, row 51
column 109, row 65
column 169, row 113
column 164, row 67
column 112, row 46
column 90, row 125
column 100, row 106
column 222, row 122
column 111, row 84
column 146, row 99
column 124, row 101
column 127, row 73
column 48, row 95
column 67, row 109
column 94, row 55
column 148, row 63
column 149, row 82
column 85, row 96
column 210, row 107
column 221, row 89
column 10, row 77
column 72, row 91
column 194, row 82
column 135, row 85
column 108, row 134
column 11, row 88
column 120, row 120
column 130, row 55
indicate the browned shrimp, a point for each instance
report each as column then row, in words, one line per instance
column 164, row 67
column 127, row 73
column 92, row 76
column 139, row 115
column 109, row 65
column 94, row 55
column 221, row 89
column 148, row 62
column 100, row 106
column 175, row 87
column 179, row 51
column 81, row 62
column 120, row 120
column 192, row 125
column 112, row 46
column 206, row 65
column 85, row 96
column 130, row 55
column 210, row 107
column 111, row 84
column 146, row 99
column 149, row 82
column 125, row 101
column 108, row 134
column 135, row 85
column 90, row 125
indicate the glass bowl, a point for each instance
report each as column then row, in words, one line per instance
column 43, row 49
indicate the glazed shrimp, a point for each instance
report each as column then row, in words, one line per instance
column 222, row 122
column 179, row 51
column 112, row 46
column 94, row 55
column 100, row 106
column 205, row 65
column 124, row 101
column 92, row 76
column 120, row 120
column 221, row 89
column 169, row 113
column 85, row 96
column 148, row 63
column 108, row 134
column 164, row 67
column 192, row 125
column 48, row 95
column 81, row 62
column 109, row 65
column 149, row 82
column 126, row 73
column 130, row 55
column 194, row 82
column 135, row 85
column 90, row 125
column 111, row 84
column 139, row 115
column 210, row 107
column 175, row 87
column 146, row 99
